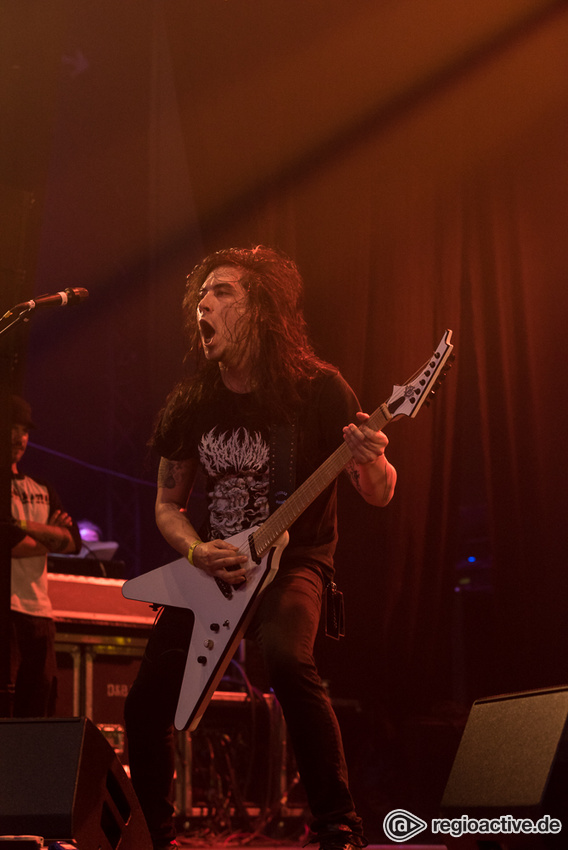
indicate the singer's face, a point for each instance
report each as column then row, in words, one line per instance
column 222, row 316
column 20, row 437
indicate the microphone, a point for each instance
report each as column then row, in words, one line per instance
column 57, row 299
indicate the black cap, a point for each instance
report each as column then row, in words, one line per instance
column 21, row 412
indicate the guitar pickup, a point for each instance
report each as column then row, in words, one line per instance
column 252, row 547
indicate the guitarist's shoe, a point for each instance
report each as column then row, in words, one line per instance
column 339, row 837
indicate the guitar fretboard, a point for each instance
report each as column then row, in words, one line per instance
column 281, row 520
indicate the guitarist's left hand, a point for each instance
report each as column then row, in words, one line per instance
column 364, row 444
column 369, row 470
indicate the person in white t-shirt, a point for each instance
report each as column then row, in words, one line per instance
column 43, row 527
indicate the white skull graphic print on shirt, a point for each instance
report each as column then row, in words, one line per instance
column 237, row 466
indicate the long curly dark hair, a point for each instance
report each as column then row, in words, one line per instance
column 282, row 358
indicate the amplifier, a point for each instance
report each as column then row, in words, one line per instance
column 236, row 768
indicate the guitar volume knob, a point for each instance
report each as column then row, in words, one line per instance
column 201, row 660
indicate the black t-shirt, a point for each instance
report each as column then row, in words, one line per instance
column 230, row 439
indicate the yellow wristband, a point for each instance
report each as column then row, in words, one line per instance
column 22, row 523
column 192, row 549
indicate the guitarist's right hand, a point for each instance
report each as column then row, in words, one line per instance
column 222, row 560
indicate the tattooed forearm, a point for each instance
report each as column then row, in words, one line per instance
column 50, row 537
column 169, row 474
column 374, row 481
column 354, row 475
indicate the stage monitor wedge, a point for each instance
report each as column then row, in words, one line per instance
column 512, row 758
column 61, row 779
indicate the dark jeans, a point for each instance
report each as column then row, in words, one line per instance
column 33, row 665
column 285, row 626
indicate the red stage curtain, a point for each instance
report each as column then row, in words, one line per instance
column 449, row 210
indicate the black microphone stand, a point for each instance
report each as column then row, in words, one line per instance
column 7, row 360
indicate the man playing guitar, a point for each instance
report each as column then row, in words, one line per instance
column 258, row 399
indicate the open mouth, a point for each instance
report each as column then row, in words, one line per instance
column 207, row 332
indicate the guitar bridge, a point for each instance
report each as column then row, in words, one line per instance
column 225, row 588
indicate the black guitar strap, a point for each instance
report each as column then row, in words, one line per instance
column 283, row 449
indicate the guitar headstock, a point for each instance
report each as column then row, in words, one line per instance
column 406, row 400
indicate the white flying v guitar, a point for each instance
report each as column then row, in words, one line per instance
column 222, row 612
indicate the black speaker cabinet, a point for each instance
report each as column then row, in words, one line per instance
column 61, row 779
column 512, row 758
